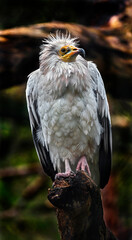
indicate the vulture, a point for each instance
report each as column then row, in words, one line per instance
column 69, row 112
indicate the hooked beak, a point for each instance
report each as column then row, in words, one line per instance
column 75, row 51
column 81, row 51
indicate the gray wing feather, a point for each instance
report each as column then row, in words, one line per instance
column 105, row 148
column 35, row 123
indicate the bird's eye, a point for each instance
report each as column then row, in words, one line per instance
column 63, row 50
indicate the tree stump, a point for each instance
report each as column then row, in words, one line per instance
column 79, row 208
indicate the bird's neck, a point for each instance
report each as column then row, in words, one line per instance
column 64, row 76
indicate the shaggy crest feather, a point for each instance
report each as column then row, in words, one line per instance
column 59, row 38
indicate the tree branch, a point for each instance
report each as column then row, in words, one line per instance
column 79, row 208
column 11, row 172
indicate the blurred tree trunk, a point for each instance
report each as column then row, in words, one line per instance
column 79, row 208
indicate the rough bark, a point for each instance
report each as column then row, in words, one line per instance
column 79, row 208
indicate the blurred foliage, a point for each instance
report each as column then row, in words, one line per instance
column 122, row 159
column 123, row 170
column 30, row 227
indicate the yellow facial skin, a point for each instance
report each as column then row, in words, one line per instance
column 68, row 53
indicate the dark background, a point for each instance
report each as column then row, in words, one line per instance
column 88, row 12
column 24, row 209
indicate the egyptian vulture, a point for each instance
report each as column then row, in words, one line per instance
column 69, row 112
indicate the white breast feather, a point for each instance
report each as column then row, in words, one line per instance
column 69, row 122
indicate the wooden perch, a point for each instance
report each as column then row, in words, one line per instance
column 79, row 208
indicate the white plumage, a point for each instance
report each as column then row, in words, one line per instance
column 68, row 111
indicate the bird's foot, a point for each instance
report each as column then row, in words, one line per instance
column 68, row 172
column 83, row 165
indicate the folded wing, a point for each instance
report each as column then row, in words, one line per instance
column 42, row 150
column 105, row 148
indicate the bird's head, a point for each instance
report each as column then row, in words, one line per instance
column 59, row 48
column 61, row 64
